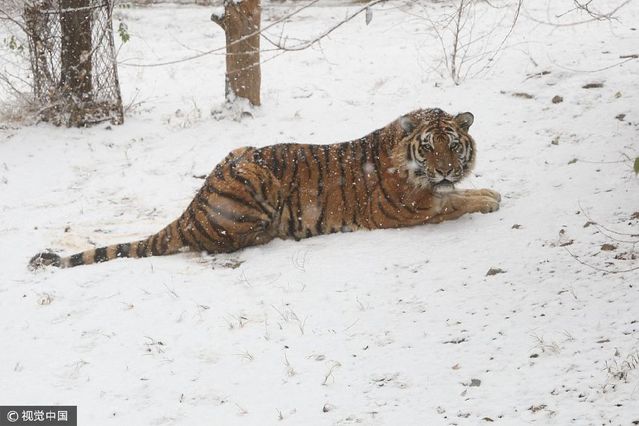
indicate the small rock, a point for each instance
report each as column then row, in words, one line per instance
column 557, row 99
column 475, row 382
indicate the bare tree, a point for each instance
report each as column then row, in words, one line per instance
column 470, row 40
column 240, row 21
column 241, row 24
column 68, row 65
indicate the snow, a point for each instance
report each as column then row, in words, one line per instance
column 486, row 318
column 217, row 13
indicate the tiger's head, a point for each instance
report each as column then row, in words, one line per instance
column 437, row 150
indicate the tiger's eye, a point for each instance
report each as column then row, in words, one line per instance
column 425, row 146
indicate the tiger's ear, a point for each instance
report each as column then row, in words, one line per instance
column 406, row 124
column 465, row 120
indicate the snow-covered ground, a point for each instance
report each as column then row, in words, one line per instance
column 393, row 327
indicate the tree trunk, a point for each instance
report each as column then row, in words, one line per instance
column 75, row 28
column 36, row 24
column 241, row 24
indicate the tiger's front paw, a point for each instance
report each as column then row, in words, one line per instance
column 490, row 193
column 489, row 203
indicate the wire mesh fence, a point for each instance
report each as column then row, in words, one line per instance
column 72, row 58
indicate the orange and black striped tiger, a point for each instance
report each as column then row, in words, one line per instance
column 400, row 175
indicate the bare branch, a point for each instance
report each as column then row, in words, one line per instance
column 309, row 43
column 597, row 268
column 465, row 43
column 597, row 17
column 223, row 48
column 279, row 46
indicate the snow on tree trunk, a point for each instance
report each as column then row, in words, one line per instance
column 240, row 21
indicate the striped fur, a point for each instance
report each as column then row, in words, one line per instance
column 399, row 175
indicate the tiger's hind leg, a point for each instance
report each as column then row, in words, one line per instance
column 237, row 207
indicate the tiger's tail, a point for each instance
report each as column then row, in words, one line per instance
column 167, row 241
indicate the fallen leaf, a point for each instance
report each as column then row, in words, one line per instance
column 535, row 408
column 495, row 271
column 592, row 86
column 608, row 247
column 369, row 15
column 456, row 341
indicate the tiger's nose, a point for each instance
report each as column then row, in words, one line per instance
column 444, row 173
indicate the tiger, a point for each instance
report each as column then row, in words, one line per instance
column 401, row 175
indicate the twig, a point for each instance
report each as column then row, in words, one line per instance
column 609, row 15
column 587, row 215
column 596, row 268
column 330, row 372
column 632, row 58
column 309, row 43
